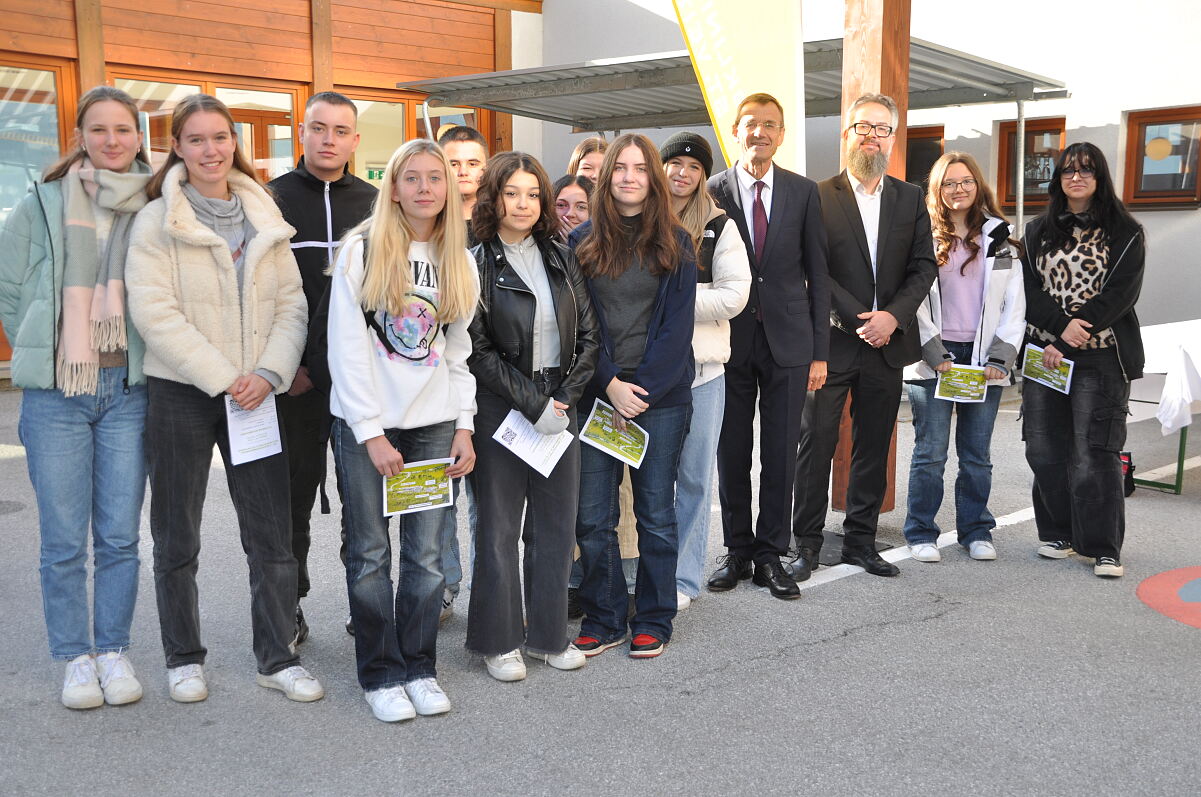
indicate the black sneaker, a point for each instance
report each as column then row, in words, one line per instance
column 574, row 612
column 591, row 646
column 302, row 628
column 1108, row 567
column 1059, row 549
column 645, row 646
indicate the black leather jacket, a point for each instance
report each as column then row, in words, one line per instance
column 502, row 331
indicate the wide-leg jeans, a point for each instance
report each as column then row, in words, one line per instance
column 396, row 630
column 694, row 489
column 182, row 425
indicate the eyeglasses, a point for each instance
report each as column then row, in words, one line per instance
column 967, row 184
column 1085, row 174
column 767, row 127
column 866, row 129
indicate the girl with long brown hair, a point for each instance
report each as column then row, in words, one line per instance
column 215, row 292
column 641, row 273
column 79, row 360
column 974, row 315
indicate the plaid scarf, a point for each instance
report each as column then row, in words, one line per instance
column 93, row 309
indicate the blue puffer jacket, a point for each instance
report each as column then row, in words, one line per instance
column 32, row 257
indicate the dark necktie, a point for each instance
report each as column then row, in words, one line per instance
column 759, row 218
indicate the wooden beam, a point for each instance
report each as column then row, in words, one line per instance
column 875, row 60
column 529, row 6
column 89, row 39
column 502, row 48
column 323, row 46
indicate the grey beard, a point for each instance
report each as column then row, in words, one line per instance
column 867, row 167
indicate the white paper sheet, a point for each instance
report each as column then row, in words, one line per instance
column 253, row 434
column 420, row 487
column 540, row 451
column 601, row 433
column 1033, row 369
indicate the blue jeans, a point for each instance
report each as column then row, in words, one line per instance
column 932, row 435
column 396, row 634
column 448, row 536
column 87, row 467
column 694, row 490
column 603, row 588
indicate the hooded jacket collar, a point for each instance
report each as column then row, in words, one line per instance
column 261, row 212
column 346, row 179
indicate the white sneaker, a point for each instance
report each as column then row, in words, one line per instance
column 1060, row 549
column 448, row 605
column 1108, row 567
column 295, row 682
column 117, row 679
column 682, row 601
column 428, row 698
column 507, row 666
column 925, row 552
column 572, row 658
column 390, row 704
column 81, row 685
column 982, row 550
column 186, row 684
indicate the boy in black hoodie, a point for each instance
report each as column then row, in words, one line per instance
column 322, row 200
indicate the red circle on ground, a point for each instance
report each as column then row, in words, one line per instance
column 1162, row 593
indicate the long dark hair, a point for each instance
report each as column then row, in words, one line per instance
column 490, row 201
column 58, row 169
column 1107, row 211
column 603, row 252
column 195, row 103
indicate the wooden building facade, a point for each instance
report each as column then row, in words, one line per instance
column 263, row 58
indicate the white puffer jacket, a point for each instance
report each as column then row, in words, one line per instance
column 1003, row 319
column 719, row 301
column 183, row 291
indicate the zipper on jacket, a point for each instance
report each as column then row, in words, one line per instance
column 329, row 229
column 125, row 379
column 54, row 291
column 1116, row 343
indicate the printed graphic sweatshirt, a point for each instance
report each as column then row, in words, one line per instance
column 423, row 381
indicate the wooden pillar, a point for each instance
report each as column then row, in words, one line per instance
column 89, row 41
column 322, row 23
column 875, row 59
column 502, row 48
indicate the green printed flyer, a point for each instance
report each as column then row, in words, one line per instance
column 601, row 432
column 420, row 486
column 962, row 383
column 1033, row 369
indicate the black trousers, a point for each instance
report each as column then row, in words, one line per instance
column 306, row 425
column 875, row 390
column 780, row 392
column 504, row 485
column 182, row 424
column 1073, row 446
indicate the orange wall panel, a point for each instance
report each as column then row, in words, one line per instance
column 41, row 27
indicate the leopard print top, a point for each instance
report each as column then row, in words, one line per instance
column 1072, row 277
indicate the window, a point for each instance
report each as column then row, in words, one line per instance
column 442, row 118
column 923, row 146
column 382, row 126
column 1044, row 142
column 34, row 130
column 1162, row 157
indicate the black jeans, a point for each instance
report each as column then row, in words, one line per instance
column 503, row 485
column 182, row 424
column 1073, row 445
column 875, row 390
column 306, row 425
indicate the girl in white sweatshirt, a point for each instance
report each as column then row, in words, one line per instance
column 403, row 293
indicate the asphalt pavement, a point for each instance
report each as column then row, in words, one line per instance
column 1019, row 676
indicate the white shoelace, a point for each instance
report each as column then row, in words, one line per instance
column 426, row 687
column 120, row 668
column 295, row 673
column 505, row 658
column 81, row 671
column 181, row 674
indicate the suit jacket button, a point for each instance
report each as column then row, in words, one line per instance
column 761, row 279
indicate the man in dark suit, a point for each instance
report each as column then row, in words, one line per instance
column 881, row 268
column 778, row 345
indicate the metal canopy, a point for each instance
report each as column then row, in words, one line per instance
column 661, row 90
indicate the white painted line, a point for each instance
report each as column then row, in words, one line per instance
column 894, row 555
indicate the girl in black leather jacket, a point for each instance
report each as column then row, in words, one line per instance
column 534, row 348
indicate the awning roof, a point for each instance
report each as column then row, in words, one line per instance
column 661, row 90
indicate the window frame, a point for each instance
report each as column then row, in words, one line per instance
column 66, row 83
column 924, row 133
column 1155, row 200
column 1005, row 194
